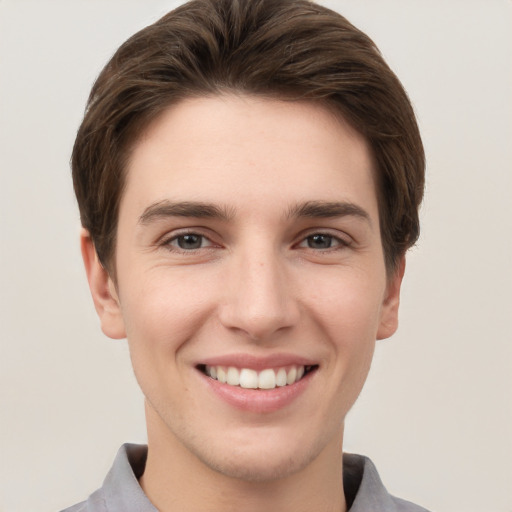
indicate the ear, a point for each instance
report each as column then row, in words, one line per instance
column 103, row 290
column 389, row 313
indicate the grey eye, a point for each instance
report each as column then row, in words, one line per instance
column 319, row 241
column 189, row 241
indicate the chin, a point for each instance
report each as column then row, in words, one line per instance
column 254, row 452
column 261, row 458
column 259, row 467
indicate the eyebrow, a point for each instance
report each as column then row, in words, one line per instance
column 164, row 209
column 308, row 209
column 328, row 209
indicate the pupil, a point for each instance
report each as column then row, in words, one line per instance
column 320, row 241
column 189, row 242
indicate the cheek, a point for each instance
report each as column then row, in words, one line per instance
column 161, row 317
column 348, row 304
column 347, row 310
column 163, row 308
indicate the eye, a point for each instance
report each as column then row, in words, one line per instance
column 322, row 241
column 189, row 242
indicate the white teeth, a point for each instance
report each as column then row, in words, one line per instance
column 233, row 376
column 292, row 375
column 267, row 379
column 221, row 375
column 281, row 377
column 248, row 379
column 251, row 379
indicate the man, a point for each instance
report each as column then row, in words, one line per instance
column 248, row 175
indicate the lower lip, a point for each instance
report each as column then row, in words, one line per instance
column 258, row 400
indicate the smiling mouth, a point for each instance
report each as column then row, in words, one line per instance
column 248, row 378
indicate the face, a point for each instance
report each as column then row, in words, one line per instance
column 251, row 282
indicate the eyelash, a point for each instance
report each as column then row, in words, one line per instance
column 172, row 242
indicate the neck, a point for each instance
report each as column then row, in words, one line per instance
column 176, row 480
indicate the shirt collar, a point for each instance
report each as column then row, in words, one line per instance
column 363, row 487
column 122, row 492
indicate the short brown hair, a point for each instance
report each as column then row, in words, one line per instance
column 288, row 49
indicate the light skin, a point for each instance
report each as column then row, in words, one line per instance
column 248, row 236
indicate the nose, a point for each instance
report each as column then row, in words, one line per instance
column 259, row 297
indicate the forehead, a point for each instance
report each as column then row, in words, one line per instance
column 243, row 150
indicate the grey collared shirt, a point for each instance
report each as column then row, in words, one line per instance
column 121, row 491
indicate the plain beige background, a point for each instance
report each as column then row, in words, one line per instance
column 436, row 415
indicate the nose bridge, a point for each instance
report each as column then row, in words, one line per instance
column 260, row 299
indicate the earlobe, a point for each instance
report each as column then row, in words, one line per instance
column 389, row 314
column 103, row 291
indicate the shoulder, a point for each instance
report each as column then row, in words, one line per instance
column 120, row 491
column 365, row 491
column 95, row 503
column 406, row 506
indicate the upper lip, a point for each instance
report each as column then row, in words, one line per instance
column 258, row 363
